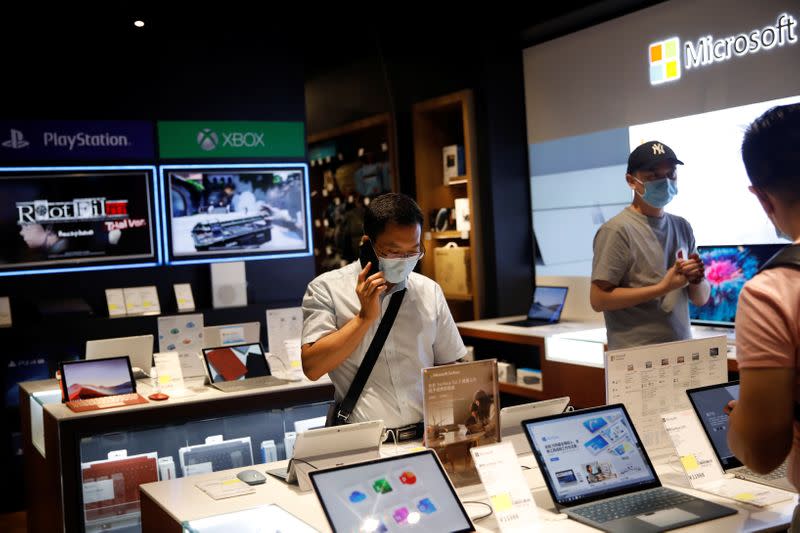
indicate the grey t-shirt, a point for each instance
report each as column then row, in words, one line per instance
column 634, row 250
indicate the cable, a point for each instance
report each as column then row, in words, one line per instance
column 487, row 515
column 275, row 356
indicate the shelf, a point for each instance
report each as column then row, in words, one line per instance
column 461, row 180
column 458, row 297
column 519, row 390
column 449, row 235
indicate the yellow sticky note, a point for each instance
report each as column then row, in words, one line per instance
column 689, row 463
column 231, row 481
column 295, row 364
column 147, row 303
column 130, row 306
column 745, row 497
column 181, row 300
column 164, row 379
column 501, row 502
column 113, row 307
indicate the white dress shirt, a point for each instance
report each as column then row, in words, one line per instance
column 423, row 334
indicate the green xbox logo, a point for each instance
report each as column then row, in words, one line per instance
column 207, row 139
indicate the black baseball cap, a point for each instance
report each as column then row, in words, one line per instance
column 649, row 155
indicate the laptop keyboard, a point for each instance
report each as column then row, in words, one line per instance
column 105, row 402
column 778, row 473
column 632, row 505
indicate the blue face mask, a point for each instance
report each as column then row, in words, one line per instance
column 659, row 193
column 397, row 270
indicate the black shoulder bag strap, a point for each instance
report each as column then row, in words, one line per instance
column 344, row 409
column 788, row 256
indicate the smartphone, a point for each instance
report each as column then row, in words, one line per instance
column 366, row 254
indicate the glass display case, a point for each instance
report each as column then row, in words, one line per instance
column 114, row 464
column 37, row 402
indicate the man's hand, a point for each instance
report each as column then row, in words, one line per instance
column 673, row 279
column 369, row 290
column 693, row 268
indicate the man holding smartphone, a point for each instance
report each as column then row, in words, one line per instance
column 343, row 308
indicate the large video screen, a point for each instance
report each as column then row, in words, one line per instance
column 578, row 183
column 67, row 218
column 225, row 212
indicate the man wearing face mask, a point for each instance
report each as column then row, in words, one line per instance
column 646, row 268
column 343, row 308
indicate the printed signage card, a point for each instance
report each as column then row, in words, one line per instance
column 184, row 297
column 5, row 312
column 142, row 300
column 183, row 334
column 283, row 325
column 652, row 380
column 509, row 493
column 461, row 403
column 704, row 471
column 169, row 375
column 115, row 300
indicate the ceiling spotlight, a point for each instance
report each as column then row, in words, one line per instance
column 138, row 23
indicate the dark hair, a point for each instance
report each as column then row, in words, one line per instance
column 771, row 154
column 393, row 207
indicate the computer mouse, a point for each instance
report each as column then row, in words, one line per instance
column 158, row 396
column 252, row 477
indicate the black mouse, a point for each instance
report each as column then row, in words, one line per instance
column 252, row 477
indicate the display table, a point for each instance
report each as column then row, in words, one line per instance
column 569, row 354
column 167, row 505
column 57, row 440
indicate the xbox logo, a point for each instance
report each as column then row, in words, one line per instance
column 207, row 139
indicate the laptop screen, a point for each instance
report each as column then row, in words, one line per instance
column 708, row 403
column 97, row 378
column 231, row 363
column 390, row 494
column 590, row 454
column 547, row 303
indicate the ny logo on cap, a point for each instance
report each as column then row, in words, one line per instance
column 658, row 148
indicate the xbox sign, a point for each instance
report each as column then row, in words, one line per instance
column 237, row 139
column 207, row 139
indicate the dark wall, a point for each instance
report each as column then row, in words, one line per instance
column 98, row 66
column 432, row 64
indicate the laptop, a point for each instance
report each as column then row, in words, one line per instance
column 708, row 403
column 138, row 348
column 598, row 473
column 239, row 367
column 511, row 420
column 98, row 384
column 246, row 332
column 329, row 447
column 546, row 307
column 403, row 491
column 215, row 454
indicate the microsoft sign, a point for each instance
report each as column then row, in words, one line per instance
column 219, row 139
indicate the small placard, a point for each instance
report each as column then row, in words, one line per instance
column 142, row 300
column 184, row 296
column 5, row 312
column 509, row 493
column 169, row 375
column 115, row 301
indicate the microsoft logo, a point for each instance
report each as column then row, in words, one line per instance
column 665, row 61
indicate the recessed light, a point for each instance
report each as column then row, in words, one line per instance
column 139, row 23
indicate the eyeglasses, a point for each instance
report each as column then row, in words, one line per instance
column 399, row 255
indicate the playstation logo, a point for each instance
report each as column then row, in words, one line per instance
column 16, row 141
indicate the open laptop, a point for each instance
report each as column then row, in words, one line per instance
column 138, row 348
column 546, row 307
column 98, row 384
column 391, row 494
column 511, row 420
column 598, row 473
column 239, row 367
column 328, row 447
column 246, row 332
column 708, row 403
